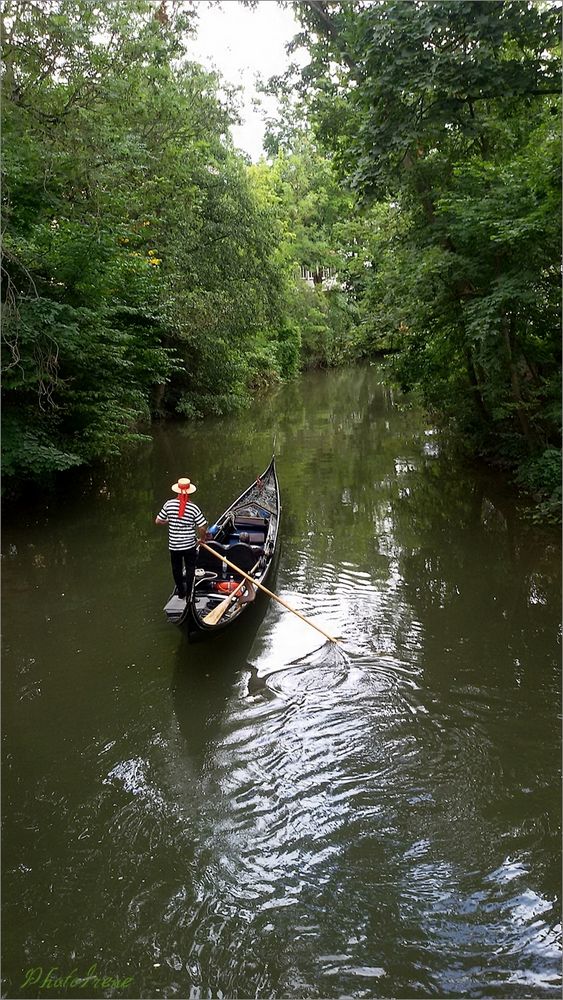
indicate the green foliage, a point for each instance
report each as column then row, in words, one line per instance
column 310, row 205
column 31, row 451
column 444, row 117
column 541, row 476
column 391, row 83
column 141, row 265
column 288, row 350
column 149, row 272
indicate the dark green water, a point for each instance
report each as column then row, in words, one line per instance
column 264, row 815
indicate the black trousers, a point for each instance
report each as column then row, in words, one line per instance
column 183, row 558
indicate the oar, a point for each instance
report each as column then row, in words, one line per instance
column 215, row 616
column 268, row 592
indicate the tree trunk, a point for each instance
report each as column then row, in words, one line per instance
column 157, row 398
column 476, row 387
column 507, row 327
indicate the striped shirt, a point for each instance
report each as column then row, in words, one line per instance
column 181, row 530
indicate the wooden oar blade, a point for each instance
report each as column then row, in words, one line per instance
column 214, row 616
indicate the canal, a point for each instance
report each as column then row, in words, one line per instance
column 266, row 815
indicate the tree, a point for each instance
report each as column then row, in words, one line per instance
column 311, row 206
column 139, row 275
column 448, row 112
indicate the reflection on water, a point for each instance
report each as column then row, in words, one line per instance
column 268, row 814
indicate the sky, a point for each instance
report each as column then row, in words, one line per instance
column 241, row 42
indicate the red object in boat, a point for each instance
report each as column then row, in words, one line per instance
column 225, row 586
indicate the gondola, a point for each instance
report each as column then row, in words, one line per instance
column 246, row 534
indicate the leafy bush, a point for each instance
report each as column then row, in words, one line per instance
column 541, row 476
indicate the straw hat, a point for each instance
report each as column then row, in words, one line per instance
column 184, row 486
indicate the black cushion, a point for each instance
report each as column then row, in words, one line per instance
column 245, row 521
column 206, row 561
column 244, row 556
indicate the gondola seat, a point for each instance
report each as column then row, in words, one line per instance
column 244, row 556
column 256, row 527
column 208, row 562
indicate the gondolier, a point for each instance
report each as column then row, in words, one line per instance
column 186, row 524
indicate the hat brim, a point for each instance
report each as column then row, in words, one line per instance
column 191, row 488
